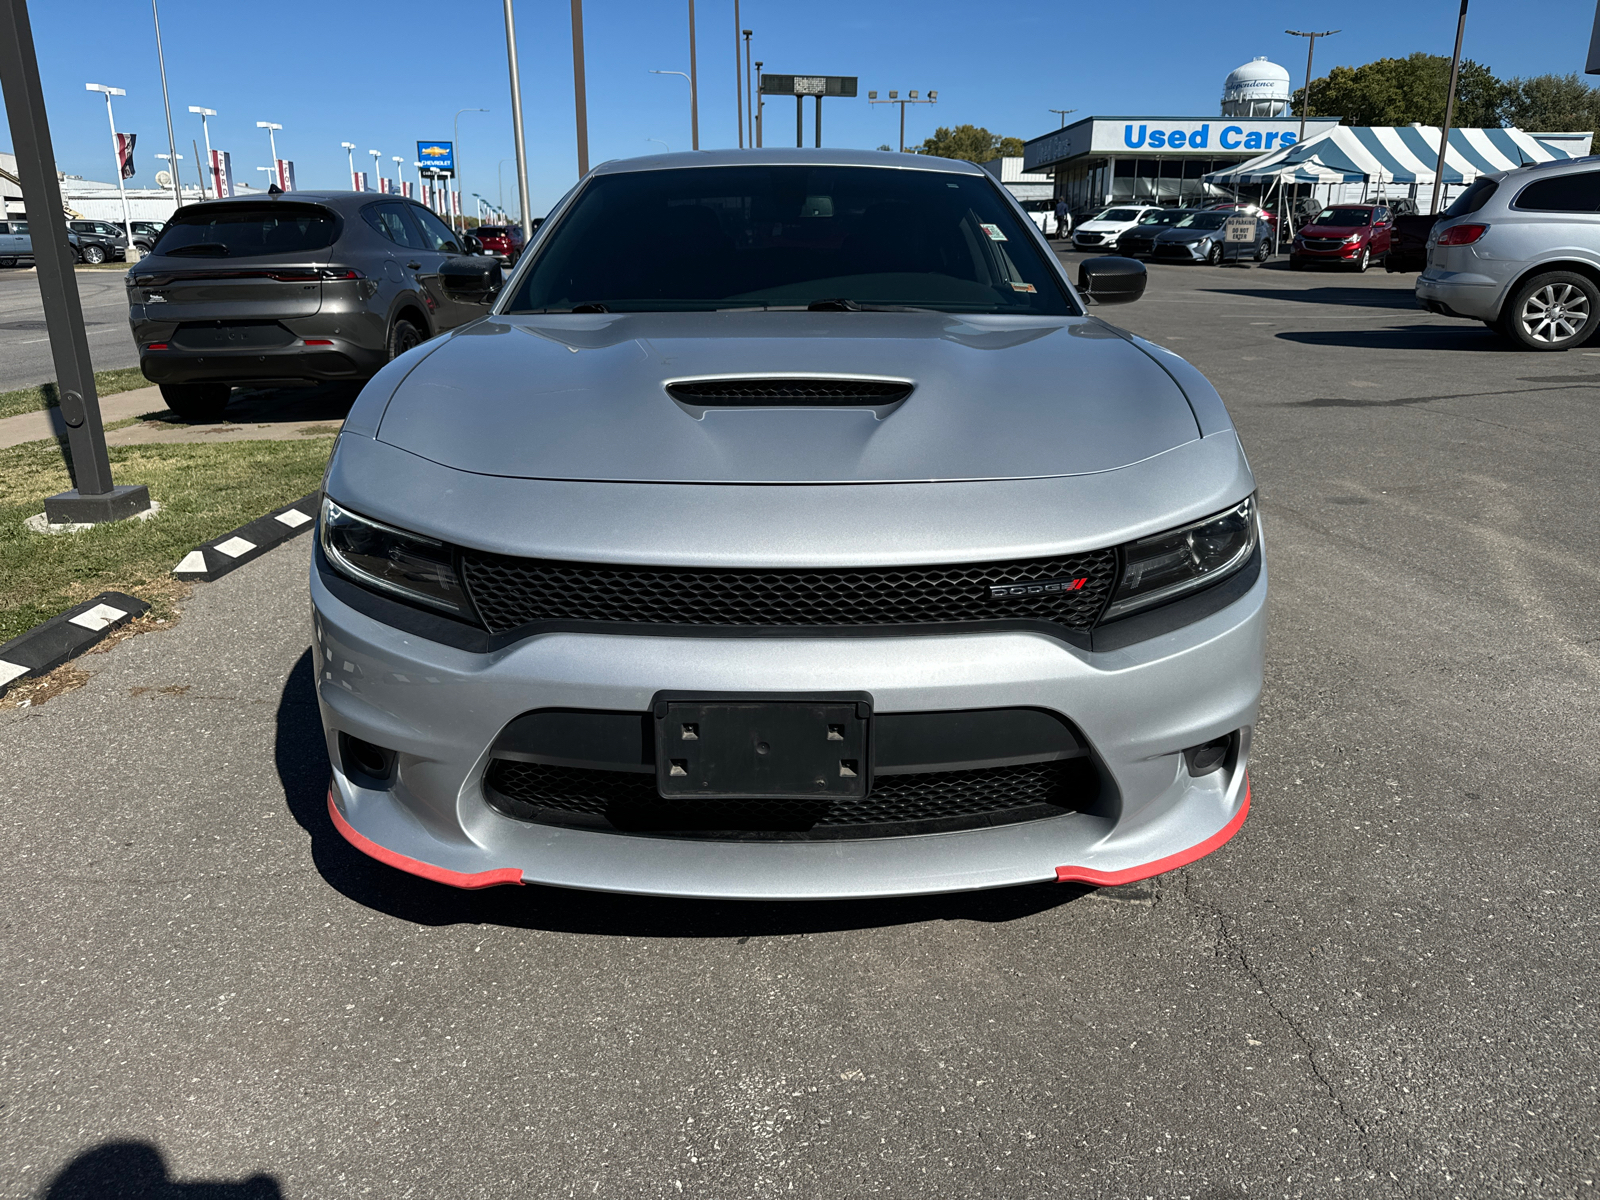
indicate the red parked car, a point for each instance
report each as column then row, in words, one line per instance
column 502, row 241
column 1350, row 235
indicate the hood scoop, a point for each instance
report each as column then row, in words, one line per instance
column 789, row 392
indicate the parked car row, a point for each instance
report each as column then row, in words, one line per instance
column 92, row 242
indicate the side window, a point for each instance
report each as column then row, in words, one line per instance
column 1382, row 215
column 390, row 221
column 19, row 227
column 1564, row 193
column 436, row 234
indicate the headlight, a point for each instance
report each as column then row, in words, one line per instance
column 1354, row 237
column 1171, row 564
column 391, row 560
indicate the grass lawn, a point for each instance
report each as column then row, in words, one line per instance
column 106, row 383
column 204, row 489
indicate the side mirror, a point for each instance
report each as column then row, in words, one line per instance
column 1111, row 280
column 475, row 280
column 471, row 244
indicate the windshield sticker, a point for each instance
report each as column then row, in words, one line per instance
column 994, row 232
column 1023, row 287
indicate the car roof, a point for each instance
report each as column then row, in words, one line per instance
column 342, row 202
column 796, row 156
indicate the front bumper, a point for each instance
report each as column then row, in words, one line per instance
column 441, row 708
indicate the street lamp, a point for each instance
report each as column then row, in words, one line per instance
column 108, row 92
column 172, row 142
column 271, row 171
column 1311, row 44
column 349, row 149
column 272, row 141
column 694, row 111
column 455, row 145
column 399, row 165
column 519, row 146
column 204, row 113
column 1063, row 113
column 377, row 167
column 911, row 98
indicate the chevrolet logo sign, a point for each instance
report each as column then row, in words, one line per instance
column 1037, row 587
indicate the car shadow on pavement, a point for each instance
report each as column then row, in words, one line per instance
column 137, row 1171
column 1463, row 337
column 303, row 768
column 1359, row 297
column 279, row 406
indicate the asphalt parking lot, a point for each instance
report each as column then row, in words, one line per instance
column 25, row 344
column 1383, row 986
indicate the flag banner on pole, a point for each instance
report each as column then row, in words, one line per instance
column 383, row 186
column 405, row 188
column 221, row 174
column 125, row 143
column 355, row 181
column 286, row 175
column 361, row 181
column 455, row 204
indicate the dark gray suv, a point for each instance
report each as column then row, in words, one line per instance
column 296, row 288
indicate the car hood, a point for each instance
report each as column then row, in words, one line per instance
column 1191, row 235
column 1332, row 231
column 583, row 397
column 1104, row 226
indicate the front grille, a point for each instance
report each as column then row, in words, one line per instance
column 626, row 801
column 747, row 393
column 1089, row 239
column 1323, row 243
column 512, row 592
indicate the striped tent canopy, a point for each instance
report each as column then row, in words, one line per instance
column 1405, row 155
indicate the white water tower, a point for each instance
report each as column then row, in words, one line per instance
column 1257, row 89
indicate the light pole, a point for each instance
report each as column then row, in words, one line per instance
column 761, row 107
column 172, row 161
column 911, row 98
column 1311, row 44
column 518, row 144
column 206, row 129
column 669, row 148
column 271, row 171
column 420, row 192
column 1063, row 112
column 749, row 93
column 694, row 83
column 350, row 153
column 399, row 164
column 172, row 143
column 108, row 92
column 694, row 111
column 455, row 146
column 738, row 91
column 377, row 167
column 580, row 90
column 272, row 141
column 1449, row 106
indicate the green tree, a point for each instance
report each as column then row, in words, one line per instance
column 1398, row 91
column 971, row 142
column 1551, row 104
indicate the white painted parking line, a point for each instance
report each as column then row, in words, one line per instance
column 98, row 617
column 235, row 546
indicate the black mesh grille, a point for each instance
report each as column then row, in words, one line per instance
column 512, row 592
column 628, row 801
column 754, row 392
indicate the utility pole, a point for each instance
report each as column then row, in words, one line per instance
column 1311, row 44
column 738, row 91
column 579, row 88
column 172, row 143
column 1449, row 107
column 521, row 148
column 94, row 498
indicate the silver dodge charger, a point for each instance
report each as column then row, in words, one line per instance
column 789, row 529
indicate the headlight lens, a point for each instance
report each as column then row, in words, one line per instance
column 1168, row 565
column 391, row 560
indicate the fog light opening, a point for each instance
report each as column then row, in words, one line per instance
column 361, row 758
column 1210, row 756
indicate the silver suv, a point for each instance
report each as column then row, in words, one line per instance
column 1520, row 251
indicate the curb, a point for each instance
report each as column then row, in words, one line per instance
column 214, row 559
column 49, row 644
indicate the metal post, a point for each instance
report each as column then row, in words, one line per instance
column 350, row 152
column 579, row 89
column 749, row 93
column 206, row 129
column 198, row 169
column 761, row 108
column 819, row 121
column 172, row 144
column 738, row 92
column 521, row 147
column 1311, row 44
column 902, row 127
column 1449, row 107
column 694, row 84
column 455, row 154
column 94, row 498
column 799, row 121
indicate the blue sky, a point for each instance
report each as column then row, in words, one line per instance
column 385, row 74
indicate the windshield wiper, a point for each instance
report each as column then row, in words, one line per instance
column 838, row 304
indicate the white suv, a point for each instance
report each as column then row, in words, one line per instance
column 1520, row 251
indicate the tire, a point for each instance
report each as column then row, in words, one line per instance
column 1214, row 255
column 1361, row 264
column 403, row 336
column 1263, row 250
column 93, row 255
column 1554, row 311
column 197, row 401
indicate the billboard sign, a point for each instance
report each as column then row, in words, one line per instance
column 437, row 156
column 808, row 85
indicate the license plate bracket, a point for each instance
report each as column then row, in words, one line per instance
column 753, row 747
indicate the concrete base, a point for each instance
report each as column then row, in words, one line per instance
column 73, row 508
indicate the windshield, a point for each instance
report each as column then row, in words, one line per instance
column 1344, row 218
column 1204, row 220
column 1165, row 216
column 706, row 238
column 1119, row 214
column 230, row 230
